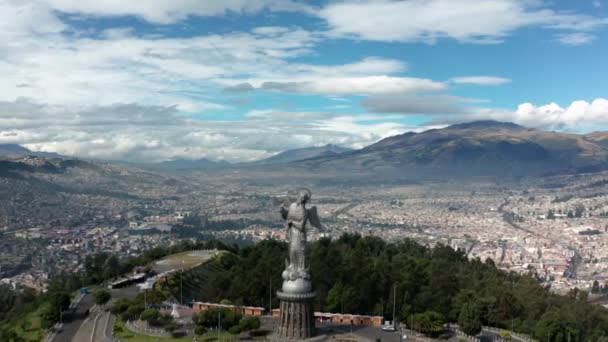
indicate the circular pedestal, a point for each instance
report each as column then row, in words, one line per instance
column 297, row 320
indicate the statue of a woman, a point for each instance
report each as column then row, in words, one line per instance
column 297, row 216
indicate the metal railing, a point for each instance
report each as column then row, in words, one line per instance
column 514, row 336
column 147, row 330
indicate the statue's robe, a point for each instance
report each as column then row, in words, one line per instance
column 297, row 217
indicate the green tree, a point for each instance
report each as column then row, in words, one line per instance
column 200, row 330
column 249, row 323
column 111, row 267
column 151, row 316
column 555, row 327
column 132, row 312
column 60, row 300
column 470, row 319
column 171, row 327
column 341, row 298
column 210, row 318
column 579, row 211
column 120, row 306
column 102, row 297
column 429, row 323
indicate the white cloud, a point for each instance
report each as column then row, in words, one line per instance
column 480, row 80
column 154, row 133
column 367, row 133
column 119, row 67
column 21, row 18
column 171, row 11
column 576, row 38
column 462, row 20
column 370, row 75
column 417, row 104
column 580, row 116
column 357, row 85
column 118, row 95
column 273, row 114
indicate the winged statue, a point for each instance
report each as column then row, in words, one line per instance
column 297, row 217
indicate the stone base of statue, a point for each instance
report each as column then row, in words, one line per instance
column 297, row 319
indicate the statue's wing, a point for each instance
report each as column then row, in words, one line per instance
column 313, row 218
column 284, row 212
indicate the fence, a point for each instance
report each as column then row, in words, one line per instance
column 131, row 325
column 514, row 336
column 462, row 336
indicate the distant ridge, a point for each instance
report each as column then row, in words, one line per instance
column 189, row 164
column 488, row 124
column 15, row 150
column 299, row 154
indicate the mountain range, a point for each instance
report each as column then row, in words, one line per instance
column 299, row 154
column 477, row 148
column 14, row 150
column 287, row 156
column 480, row 148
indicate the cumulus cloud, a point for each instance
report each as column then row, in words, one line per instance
column 115, row 94
column 277, row 115
column 118, row 94
column 430, row 20
column 118, row 66
column 417, row 104
column 575, row 39
column 480, row 80
column 579, row 116
column 240, row 88
column 370, row 75
column 357, row 85
column 126, row 68
column 154, row 133
column 21, row 18
column 171, row 11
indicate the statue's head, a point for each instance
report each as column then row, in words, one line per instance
column 303, row 195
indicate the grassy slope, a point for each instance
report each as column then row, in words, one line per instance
column 28, row 327
column 194, row 282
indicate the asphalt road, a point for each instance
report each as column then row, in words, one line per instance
column 100, row 323
column 72, row 324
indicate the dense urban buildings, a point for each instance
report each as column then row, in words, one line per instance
column 555, row 228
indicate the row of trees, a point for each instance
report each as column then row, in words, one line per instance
column 220, row 318
column 577, row 213
column 433, row 286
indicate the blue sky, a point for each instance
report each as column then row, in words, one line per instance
column 244, row 79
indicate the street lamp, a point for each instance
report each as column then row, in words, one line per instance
column 181, row 288
column 219, row 325
column 394, row 304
